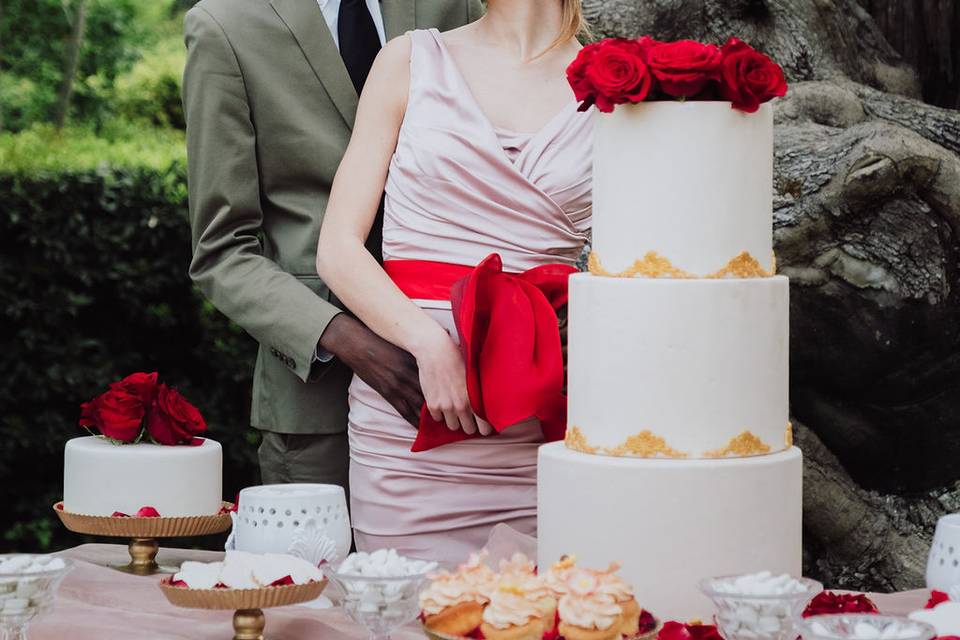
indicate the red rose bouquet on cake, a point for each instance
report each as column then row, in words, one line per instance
column 618, row 71
column 139, row 407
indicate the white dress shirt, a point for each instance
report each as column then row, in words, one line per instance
column 331, row 12
column 331, row 9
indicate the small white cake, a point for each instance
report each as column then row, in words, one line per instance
column 100, row 478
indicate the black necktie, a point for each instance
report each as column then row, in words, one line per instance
column 359, row 41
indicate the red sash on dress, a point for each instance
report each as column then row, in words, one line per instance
column 509, row 338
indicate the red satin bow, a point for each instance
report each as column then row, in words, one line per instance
column 509, row 338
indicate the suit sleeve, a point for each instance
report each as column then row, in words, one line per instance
column 228, row 264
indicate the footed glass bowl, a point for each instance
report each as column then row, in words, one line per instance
column 25, row 593
column 863, row 626
column 743, row 616
column 381, row 604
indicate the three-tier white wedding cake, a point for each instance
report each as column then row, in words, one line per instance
column 678, row 461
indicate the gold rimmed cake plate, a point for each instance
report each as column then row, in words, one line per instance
column 247, row 604
column 144, row 533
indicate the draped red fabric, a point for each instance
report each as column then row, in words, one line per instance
column 509, row 338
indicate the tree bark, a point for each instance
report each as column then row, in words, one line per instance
column 927, row 34
column 71, row 63
column 867, row 225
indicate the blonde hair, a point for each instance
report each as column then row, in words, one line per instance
column 573, row 24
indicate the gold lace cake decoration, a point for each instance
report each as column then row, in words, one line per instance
column 654, row 265
column 741, row 446
column 577, row 441
column 645, row 444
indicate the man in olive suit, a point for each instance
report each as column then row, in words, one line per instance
column 270, row 93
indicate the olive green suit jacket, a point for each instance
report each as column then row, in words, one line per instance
column 269, row 108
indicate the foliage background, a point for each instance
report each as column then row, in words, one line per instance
column 94, row 249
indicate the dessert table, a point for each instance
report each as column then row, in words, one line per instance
column 96, row 602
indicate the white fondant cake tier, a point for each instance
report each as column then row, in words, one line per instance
column 691, row 181
column 694, row 362
column 100, row 478
column 670, row 523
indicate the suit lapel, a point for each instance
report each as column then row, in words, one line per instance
column 306, row 23
column 399, row 16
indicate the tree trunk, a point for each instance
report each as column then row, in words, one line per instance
column 927, row 35
column 867, row 225
column 71, row 63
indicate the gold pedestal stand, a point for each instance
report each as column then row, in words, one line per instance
column 144, row 533
column 247, row 604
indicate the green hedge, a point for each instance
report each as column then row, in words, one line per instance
column 94, row 250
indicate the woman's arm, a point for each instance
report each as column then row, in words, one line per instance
column 354, row 275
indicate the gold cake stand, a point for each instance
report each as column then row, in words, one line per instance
column 144, row 533
column 247, row 604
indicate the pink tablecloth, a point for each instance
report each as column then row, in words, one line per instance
column 96, row 602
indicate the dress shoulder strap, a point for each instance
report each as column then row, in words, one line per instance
column 427, row 79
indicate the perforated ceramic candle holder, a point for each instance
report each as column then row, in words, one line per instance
column 309, row 521
column 943, row 563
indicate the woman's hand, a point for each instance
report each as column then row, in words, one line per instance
column 443, row 379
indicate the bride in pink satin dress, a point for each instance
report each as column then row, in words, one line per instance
column 475, row 139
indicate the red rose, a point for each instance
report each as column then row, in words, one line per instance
column 608, row 73
column 748, row 78
column 646, row 43
column 173, row 420
column 683, row 68
column 936, row 597
column 117, row 414
column 583, row 90
column 827, row 602
column 680, row 631
column 142, row 385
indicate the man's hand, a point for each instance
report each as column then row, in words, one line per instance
column 388, row 369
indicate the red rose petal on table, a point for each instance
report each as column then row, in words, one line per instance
column 282, row 582
column 147, row 512
column 679, row 631
column 936, row 597
column 827, row 602
column 647, row 622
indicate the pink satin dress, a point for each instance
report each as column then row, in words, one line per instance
column 458, row 190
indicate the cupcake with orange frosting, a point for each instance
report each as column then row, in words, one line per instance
column 622, row 593
column 512, row 615
column 452, row 605
column 586, row 612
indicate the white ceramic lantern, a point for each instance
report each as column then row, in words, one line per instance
column 309, row 521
